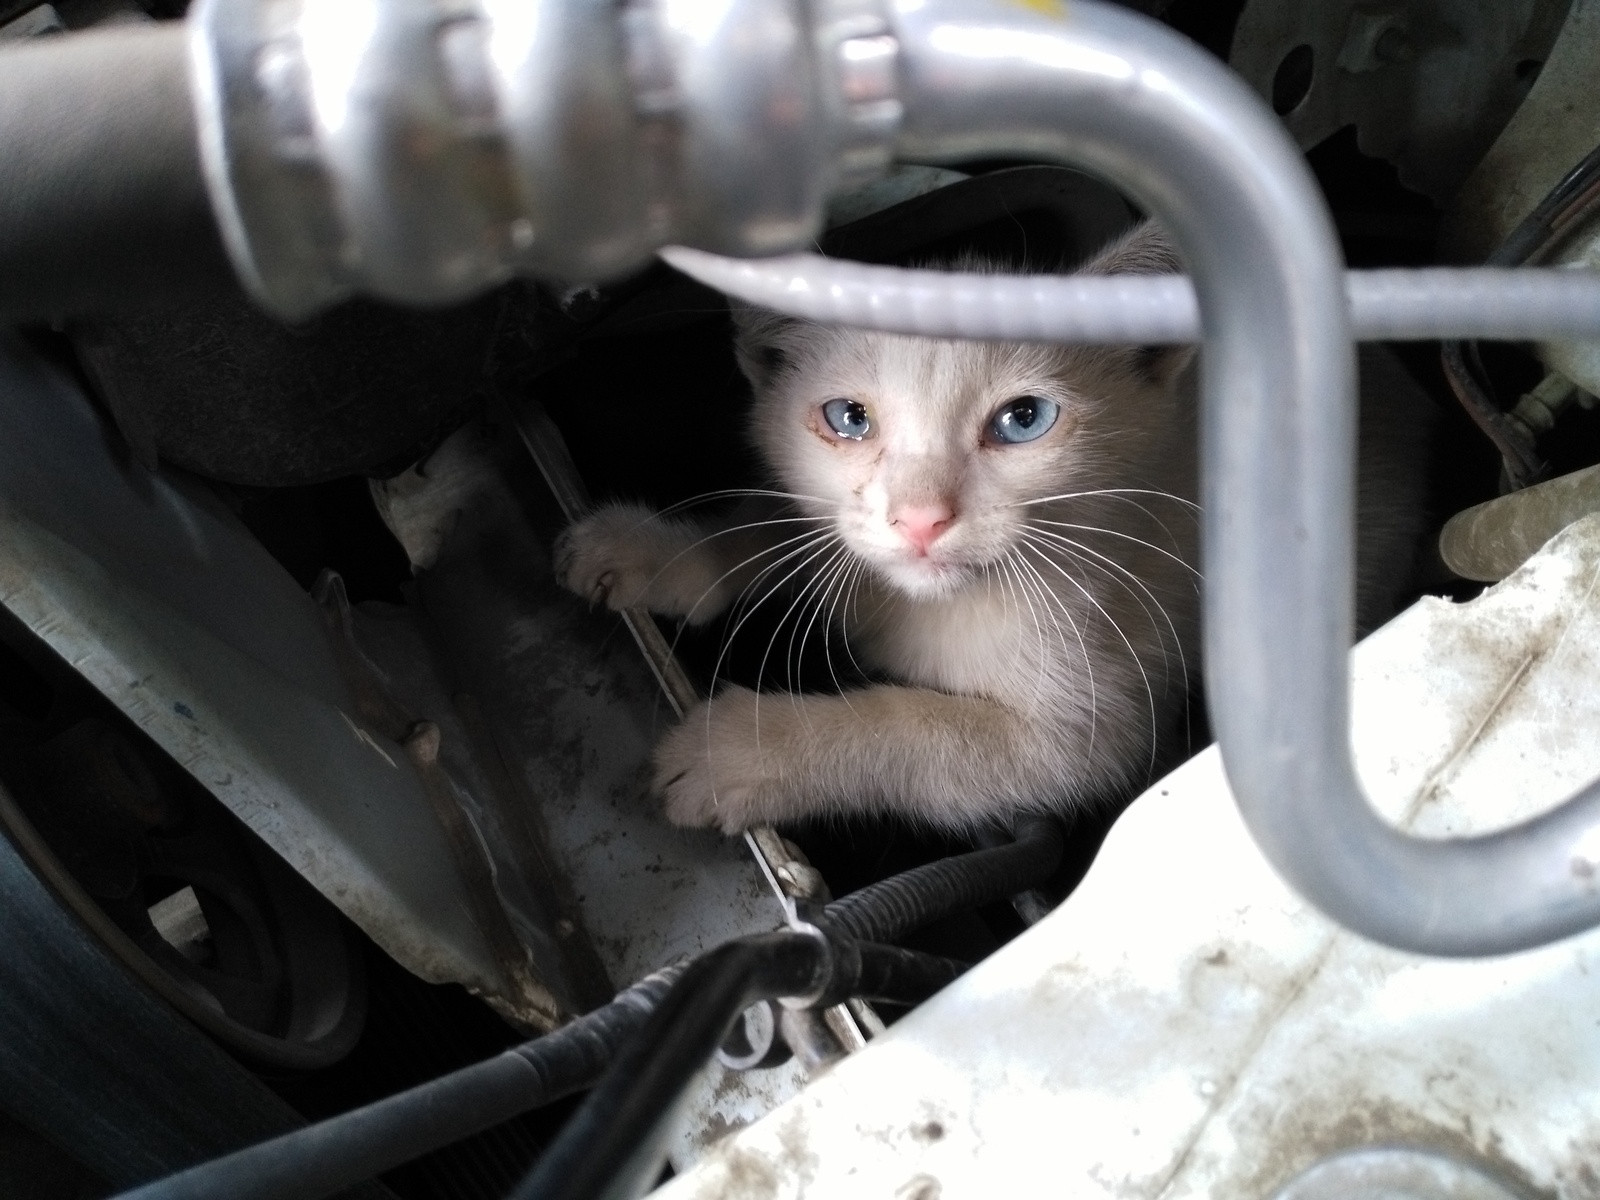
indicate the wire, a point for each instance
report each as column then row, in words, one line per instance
column 615, row 1144
column 892, row 908
column 327, row 1157
column 1573, row 197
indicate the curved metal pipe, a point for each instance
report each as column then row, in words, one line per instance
column 1099, row 87
column 1385, row 306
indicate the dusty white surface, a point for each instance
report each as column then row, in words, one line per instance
column 1184, row 1026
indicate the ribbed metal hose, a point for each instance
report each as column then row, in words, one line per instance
column 102, row 204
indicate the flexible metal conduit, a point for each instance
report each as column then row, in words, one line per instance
column 1103, row 88
column 1388, row 305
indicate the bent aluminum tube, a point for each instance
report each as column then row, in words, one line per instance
column 1102, row 88
column 1387, row 305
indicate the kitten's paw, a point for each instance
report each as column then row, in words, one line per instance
column 613, row 556
column 711, row 770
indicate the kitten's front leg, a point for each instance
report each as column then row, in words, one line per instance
column 744, row 758
column 626, row 556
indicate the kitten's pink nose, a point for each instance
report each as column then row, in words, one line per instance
column 922, row 524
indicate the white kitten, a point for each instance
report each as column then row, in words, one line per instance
column 1007, row 529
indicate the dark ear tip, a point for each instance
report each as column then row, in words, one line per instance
column 1162, row 364
column 1144, row 249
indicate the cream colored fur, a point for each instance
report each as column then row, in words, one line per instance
column 1044, row 647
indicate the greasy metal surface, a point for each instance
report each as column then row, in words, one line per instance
column 498, row 869
column 1427, row 83
column 560, row 473
column 1394, row 1174
column 779, row 862
column 1185, row 1026
column 574, row 712
column 1556, row 126
column 160, row 599
column 1490, row 540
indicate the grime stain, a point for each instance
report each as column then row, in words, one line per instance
column 1301, row 1139
column 1219, row 1098
column 1434, row 785
column 919, row 1187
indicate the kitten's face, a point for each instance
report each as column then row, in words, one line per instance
column 929, row 456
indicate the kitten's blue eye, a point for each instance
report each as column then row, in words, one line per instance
column 847, row 418
column 1023, row 419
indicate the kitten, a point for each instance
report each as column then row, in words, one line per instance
column 1008, row 530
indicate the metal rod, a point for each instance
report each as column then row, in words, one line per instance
column 548, row 449
column 1388, row 305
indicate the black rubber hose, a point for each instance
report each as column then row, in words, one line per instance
column 102, row 203
column 902, row 976
column 614, row 1145
column 325, row 1158
column 887, row 911
column 1518, row 455
column 1562, row 204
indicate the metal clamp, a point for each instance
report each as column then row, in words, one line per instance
column 422, row 150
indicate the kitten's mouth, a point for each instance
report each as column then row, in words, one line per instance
column 925, row 575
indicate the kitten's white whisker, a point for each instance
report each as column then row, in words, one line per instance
column 761, row 576
column 1066, row 610
column 762, row 669
column 1051, row 542
column 808, row 538
column 1113, row 569
column 836, row 589
column 1138, row 662
column 728, row 493
column 1125, row 536
column 812, row 594
column 851, row 615
column 735, row 569
column 1042, row 659
column 1111, row 492
column 819, row 539
column 747, row 603
column 1083, row 645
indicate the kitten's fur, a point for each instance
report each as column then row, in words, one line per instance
column 1044, row 649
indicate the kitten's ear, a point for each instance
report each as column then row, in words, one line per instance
column 1143, row 250
column 1146, row 250
column 763, row 342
